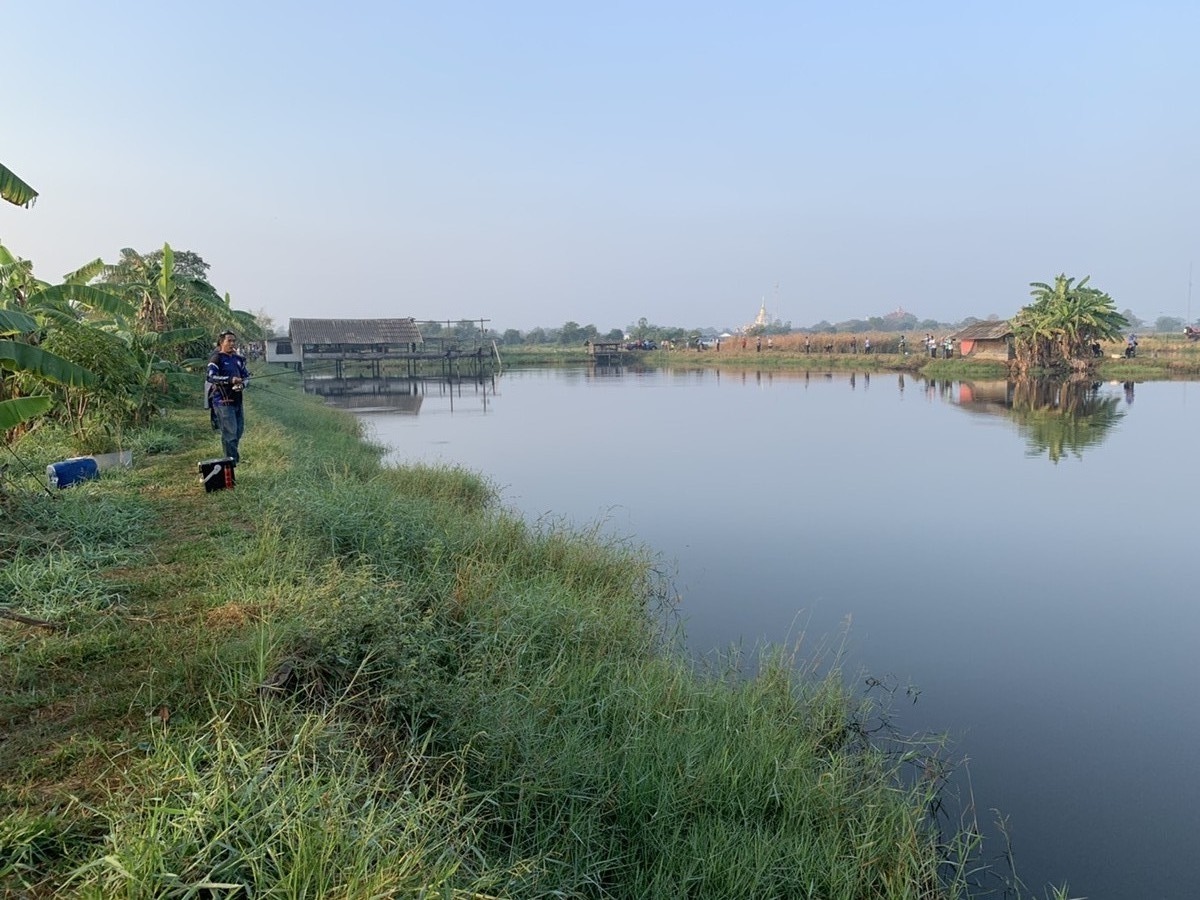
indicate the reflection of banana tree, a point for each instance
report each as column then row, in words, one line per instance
column 1058, row 417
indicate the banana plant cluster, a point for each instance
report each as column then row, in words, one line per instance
column 106, row 348
column 28, row 372
column 1063, row 323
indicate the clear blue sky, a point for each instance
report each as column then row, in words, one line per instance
column 534, row 163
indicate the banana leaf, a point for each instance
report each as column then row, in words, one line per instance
column 22, row 409
column 14, row 190
column 27, row 359
column 15, row 322
column 85, row 294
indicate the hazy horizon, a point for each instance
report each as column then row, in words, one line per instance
column 682, row 162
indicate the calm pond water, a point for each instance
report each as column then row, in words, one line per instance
column 1021, row 557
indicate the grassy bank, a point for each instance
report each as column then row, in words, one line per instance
column 1159, row 357
column 340, row 680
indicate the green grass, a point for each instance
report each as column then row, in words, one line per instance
column 346, row 680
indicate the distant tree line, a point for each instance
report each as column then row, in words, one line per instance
column 571, row 334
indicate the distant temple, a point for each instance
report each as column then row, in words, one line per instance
column 762, row 320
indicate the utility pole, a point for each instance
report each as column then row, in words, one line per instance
column 1189, row 318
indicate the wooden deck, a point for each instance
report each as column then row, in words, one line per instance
column 383, row 348
column 446, row 361
column 606, row 353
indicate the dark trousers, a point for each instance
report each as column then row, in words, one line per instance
column 233, row 423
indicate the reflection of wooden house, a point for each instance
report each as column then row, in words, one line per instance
column 986, row 340
column 366, row 396
column 983, row 394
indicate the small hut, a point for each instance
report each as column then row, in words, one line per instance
column 986, row 340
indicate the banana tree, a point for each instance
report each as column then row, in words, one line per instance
column 30, row 373
column 1062, row 323
column 26, row 370
column 167, row 296
column 152, row 378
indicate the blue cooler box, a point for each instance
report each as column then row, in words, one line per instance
column 216, row 474
column 71, row 471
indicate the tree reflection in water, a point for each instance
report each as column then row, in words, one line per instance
column 1056, row 416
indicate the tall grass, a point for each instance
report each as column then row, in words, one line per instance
column 286, row 805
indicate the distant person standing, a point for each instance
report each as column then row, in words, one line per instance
column 228, row 376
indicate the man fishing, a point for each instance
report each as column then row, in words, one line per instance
column 228, row 376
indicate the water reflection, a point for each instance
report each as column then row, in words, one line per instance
column 1056, row 417
column 397, row 395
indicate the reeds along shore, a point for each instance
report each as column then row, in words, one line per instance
column 343, row 680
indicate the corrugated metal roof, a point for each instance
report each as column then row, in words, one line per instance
column 354, row 331
column 985, row 331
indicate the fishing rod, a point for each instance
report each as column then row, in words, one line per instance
column 32, row 474
column 266, row 390
column 253, row 377
column 317, row 368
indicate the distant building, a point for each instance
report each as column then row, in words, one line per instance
column 762, row 320
column 280, row 349
column 340, row 340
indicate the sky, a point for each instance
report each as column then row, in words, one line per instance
column 534, row 163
